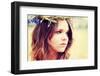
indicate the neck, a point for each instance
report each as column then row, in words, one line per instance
column 53, row 55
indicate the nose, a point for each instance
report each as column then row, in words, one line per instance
column 64, row 37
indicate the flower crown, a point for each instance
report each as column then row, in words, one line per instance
column 39, row 19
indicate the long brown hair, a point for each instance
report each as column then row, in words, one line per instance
column 40, row 35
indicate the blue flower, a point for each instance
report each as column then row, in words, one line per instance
column 34, row 20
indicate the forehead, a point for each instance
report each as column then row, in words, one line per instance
column 62, row 24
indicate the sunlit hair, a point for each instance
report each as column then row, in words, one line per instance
column 43, row 31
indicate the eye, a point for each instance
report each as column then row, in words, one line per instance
column 58, row 32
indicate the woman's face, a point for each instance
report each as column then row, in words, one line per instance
column 59, row 40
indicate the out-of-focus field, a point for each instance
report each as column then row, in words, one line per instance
column 79, row 48
column 30, row 30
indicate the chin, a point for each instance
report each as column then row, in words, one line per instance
column 61, row 50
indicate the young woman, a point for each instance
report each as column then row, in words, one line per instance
column 51, row 38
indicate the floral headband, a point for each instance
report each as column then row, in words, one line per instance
column 39, row 19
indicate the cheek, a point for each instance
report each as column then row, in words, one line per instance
column 55, row 42
column 55, row 39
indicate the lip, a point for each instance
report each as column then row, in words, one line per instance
column 63, row 44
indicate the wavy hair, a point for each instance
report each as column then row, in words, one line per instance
column 40, row 35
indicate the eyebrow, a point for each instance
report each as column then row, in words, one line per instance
column 61, row 30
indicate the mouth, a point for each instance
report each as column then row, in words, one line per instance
column 63, row 44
